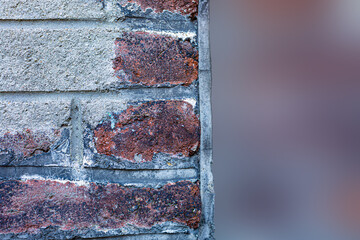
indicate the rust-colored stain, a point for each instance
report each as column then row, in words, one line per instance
column 28, row 143
column 154, row 60
column 153, row 127
column 27, row 206
column 184, row 7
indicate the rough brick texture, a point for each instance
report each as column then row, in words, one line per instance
column 155, row 60
column 184, row 7
column 47, row 9
column 92, row 9
column 80, row 59
column 33, row 204
column 28, row 143
column 31, row 128
column 101, row 123
column 163, row 126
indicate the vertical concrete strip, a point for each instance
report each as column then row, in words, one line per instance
column 206, row 177
column 77, row 144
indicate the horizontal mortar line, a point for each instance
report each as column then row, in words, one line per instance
column 57, row 23
column 141, row 235
column 98, row 175
column 132, row 88
column 126, row 94
column 77, row 23
column 99, row 169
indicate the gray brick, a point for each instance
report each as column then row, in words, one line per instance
column 51, row 9
column 35, row 115
column 57, row 59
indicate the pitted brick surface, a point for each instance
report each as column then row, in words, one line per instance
column 50, row 9
column 153, row 127
column 29, row 143
column 154, row 60
column 184, row 7
column 27, row 206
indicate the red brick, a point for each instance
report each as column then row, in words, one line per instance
column 34, row 204
column 153, row 127
column 155, row 60
column 184, row 7
column 29, row 143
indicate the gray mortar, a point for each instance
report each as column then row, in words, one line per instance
column 171, row 230
column 54, row 234
column 128, row 178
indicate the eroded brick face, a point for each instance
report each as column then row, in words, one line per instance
column 155, row 60
column 184, row 7
column 27, row 206
column 153, row 127
column 28, row 143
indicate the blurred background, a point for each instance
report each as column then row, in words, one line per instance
column 286, row 105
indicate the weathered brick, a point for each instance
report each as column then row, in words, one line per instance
column 184, row 7
column 57, row 59
column 27, row 206
column 28, row 143
column 149, row 59
column 110, row 10
column 169, row 127
column 30, row 128
column 48, row 9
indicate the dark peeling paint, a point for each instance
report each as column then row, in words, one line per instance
column 27, row 206
column 154, row 60
column 153, row 127
column 28, row 143
column 184, row 7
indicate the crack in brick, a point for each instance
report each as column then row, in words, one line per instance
column 29, row 143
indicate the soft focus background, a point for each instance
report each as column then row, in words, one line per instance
column 286, row 104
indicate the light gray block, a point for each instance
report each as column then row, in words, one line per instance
column 57, row 59
column 51, row 9
column 15, row 116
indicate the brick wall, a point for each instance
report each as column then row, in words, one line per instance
column 105, row 120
